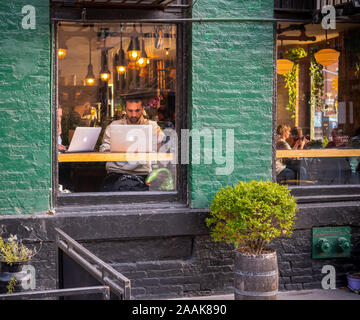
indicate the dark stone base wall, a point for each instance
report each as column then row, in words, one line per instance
column 297, row 269
column 168, row 253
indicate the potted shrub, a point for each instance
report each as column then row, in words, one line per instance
column 249, row 215
column 14, row 255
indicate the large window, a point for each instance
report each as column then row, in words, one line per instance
column 102, row 69
column 318, row 104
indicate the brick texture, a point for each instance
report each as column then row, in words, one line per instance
column 25, row 125
column 232, row 76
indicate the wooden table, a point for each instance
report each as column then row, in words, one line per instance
column 318, row 153
column 113, row 156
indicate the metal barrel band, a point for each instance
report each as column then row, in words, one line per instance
column 256, row 274
column 256, row 294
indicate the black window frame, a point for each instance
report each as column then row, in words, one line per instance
column 110, row 14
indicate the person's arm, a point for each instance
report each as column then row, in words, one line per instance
column 299, row 144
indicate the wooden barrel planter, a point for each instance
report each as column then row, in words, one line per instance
column 8, row 271
column 256, row 276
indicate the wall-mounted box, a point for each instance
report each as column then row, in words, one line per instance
column 331, row 242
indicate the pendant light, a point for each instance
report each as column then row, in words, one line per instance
column 142, row 62
column 104, row 72
column 62, row 50
column 327, row 57
column 90, row 78
column 120, row 57
column 283, row 65
column 134, row 47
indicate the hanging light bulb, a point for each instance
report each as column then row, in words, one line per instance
column 142, row 62
column 105, row 73
column 90, row 78
column 283, row 65
column 327, row 57
column 134, row 47
column 62, row 50
column 167, row 51
column 120, row 58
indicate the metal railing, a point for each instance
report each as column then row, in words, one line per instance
column 41, row 294
column 102, row 272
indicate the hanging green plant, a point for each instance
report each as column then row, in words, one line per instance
column 293, row 54
column 317, row 83
column 290, row 84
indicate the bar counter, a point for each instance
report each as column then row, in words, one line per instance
column 113, row 156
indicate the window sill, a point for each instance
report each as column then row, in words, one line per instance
column 322, row 193
column 115, row 198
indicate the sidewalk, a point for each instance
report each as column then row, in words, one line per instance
column 316, row 294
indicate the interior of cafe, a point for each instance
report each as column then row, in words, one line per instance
column 318, row 104
column 99, row 66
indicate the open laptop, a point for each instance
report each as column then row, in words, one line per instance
column 84, row 139
column 131, row 138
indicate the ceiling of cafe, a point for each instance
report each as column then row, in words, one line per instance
column 314, row 30
column 156, row 40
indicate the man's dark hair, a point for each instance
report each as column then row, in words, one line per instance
column 133, row 100
column 133, row 97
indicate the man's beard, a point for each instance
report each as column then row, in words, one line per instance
column 133, row 120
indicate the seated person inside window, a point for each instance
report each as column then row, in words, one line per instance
column 123, row 175
column 296, row 136
column 337, row 140
column 335, row 170
column 288, row 169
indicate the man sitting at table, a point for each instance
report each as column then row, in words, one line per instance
column 123, row 175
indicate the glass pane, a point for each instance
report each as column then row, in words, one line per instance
column 318, row 104
column 116, row 74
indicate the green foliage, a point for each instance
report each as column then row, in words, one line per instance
column 293, row 54
column 290, row 84
column 317, row 83
column 325, row 142
column 11, row 286
column 14, row 250
column 251, row 214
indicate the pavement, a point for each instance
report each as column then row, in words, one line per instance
column 342, row 293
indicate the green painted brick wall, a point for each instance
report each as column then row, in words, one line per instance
column 232, row 88
column 25, row 121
